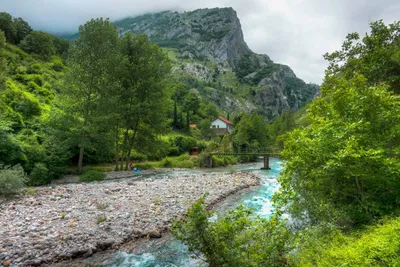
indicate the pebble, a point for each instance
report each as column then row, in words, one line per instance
column 130, row 209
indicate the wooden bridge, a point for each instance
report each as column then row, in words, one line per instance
column 266, row 156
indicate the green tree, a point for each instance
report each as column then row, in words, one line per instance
column 22, row 29
column 251, row 133
column 61, row 46
column 191, row 103
column 279, row 126
column 234, row 239
column 39, row 43
column 91, row 82
column 8, row 27
column 376, row 56
column 179, row 93
column 142, row 105
column 3, row 63
column 11, row 151
column 343, row 167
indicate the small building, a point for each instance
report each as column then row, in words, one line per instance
column 222, row 125
column 193, row 126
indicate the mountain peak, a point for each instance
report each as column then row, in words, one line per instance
column 215, row 35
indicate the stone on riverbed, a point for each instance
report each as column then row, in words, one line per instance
column 153, row 233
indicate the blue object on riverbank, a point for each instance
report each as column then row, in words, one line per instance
column 136, row 172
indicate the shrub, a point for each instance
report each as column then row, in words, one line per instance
column 219, row 161
column 185, row 164
column 166, row 163
column 377, row 245
column 236, row 239
column 101, row 219
column 57, row 66
column 144, row 166
column 34, row 69
column 39, row 175
column 31, row 191
column 12, row 180
column 92, row 175
column 102, row 168
column 183, row 157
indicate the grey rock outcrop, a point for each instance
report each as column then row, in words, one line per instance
column 215, row 35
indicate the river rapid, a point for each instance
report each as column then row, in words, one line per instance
column 168, row 252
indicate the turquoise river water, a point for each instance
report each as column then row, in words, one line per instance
column 168, row 252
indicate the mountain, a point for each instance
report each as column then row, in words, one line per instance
column 209, row 54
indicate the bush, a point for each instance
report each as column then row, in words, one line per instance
column 144, row 166
column 166, row 163
column 34, row 69
column 183, row 161
column 236, row 239
column 219, row 161
column 12, row 180
column 92, row 175
column 185, row 164
column 377, row 245
column 39, row 175
column 58, row 66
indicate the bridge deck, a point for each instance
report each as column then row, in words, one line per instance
column 269, row 154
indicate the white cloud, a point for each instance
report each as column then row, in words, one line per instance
column 291, row 32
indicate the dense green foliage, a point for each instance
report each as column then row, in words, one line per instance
column 378, row 245
column 235, row 239
column 142, row 105
column 39, row 43
column 15, row 29
column 27, row 90
column 90, row 82
column 12, row 180
column 92, row 175
column 250, row 134
column 376, row 56
column 343, row 167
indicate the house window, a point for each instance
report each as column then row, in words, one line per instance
column 217, row 126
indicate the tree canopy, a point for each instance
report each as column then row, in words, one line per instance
column 15, row 29
column 376, row 56
column 344, row 167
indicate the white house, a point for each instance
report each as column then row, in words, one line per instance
column 222, row 125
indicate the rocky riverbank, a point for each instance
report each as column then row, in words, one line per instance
column 73, row 221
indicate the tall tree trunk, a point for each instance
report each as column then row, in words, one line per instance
column 187, row 121
column 116, row 147
column 175, row 122
column 131, row 142
column 124, row 145
column 80, row 161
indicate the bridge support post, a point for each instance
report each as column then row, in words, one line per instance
column 266, row 163
column 207, row 161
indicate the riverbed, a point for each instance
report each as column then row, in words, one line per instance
column 77, row 220
column 168, row 252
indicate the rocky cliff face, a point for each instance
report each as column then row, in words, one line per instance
column 209, row 43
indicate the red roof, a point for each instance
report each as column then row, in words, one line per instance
column 224, row 120
column 193, row 125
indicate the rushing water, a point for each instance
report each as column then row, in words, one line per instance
column 168, row 252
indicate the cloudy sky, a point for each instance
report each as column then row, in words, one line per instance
column 292, row 32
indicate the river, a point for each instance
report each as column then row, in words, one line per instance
column 168, row 252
